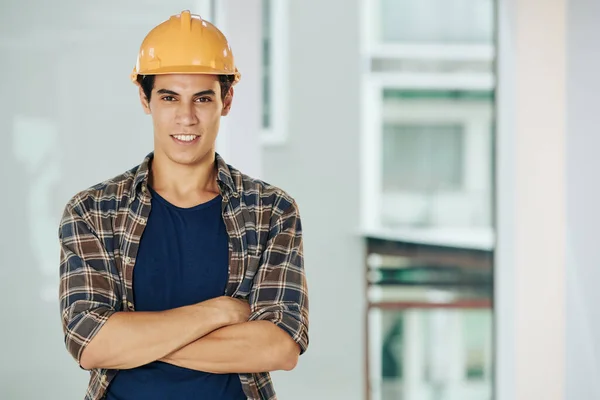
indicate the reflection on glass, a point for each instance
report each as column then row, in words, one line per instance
column 423, row 157
column 432, row 354
column 430, row 242
column 430, row 321
column 437, row 21
column 437, row 158
column 266, row 63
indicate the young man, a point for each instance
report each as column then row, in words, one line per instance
column 183, row 278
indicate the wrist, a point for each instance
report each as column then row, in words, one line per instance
column 216, row 317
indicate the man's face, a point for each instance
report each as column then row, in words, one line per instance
column 186, row 112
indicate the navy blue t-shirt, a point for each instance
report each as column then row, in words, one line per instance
column 182, row 259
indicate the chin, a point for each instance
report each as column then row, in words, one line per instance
column 188, row 158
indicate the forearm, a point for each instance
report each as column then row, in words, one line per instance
column 130, row 339
column 251, row 347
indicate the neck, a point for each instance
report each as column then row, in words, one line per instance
column 183, row 180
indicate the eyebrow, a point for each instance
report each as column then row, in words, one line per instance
column 172, row 93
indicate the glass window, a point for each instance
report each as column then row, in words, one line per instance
column 430, row 321
column 266, row 63
column 437, row 158
column 275, row 69
column 439, row 353
column 422, row 157
column 428, row 160
column 436, row 21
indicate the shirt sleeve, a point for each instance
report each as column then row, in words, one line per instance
column 88, row 290
column 279, row 293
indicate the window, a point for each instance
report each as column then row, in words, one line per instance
column 422, row 157
column 440, row 353
column 428, row 93
column 274, row 60
column 434, row 21
column 429, row 321
column 427, row 119
column 266, row 62
column 436, row 150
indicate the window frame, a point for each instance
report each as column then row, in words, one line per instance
column 277, row 133
column 373, row 84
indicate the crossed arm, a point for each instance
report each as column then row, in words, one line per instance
column 250, row 347
column 194, row 337
column 210, row 336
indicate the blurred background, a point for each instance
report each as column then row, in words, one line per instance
column 448, row 217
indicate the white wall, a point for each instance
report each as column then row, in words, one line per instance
column 319, row 165
column 583, row 200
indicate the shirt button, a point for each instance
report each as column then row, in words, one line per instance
column 103, row 379
column 130, row 305
column 143, row 221
column 127, row 260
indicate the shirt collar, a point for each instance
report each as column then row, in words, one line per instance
column 224, row 176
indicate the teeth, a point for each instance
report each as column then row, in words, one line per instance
column 185, row 138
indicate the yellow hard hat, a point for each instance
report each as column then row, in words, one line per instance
column 185, row 44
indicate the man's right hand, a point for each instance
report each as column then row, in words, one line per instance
column 130, row 339
column 234, row 311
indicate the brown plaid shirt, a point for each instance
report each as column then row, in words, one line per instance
column 100, row 232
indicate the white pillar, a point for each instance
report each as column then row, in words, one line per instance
column 239, row 137
column 530, row 264
column 583, row 199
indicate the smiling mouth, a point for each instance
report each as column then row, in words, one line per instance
column 185, row 139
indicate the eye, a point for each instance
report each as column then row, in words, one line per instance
column 168, row 98
column 204, row 99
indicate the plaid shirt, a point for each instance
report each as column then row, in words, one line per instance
column 100, row 233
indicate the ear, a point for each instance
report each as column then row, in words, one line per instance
column 144, row 101
column 227, row 102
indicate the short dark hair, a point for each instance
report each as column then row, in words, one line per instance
column 147, row 84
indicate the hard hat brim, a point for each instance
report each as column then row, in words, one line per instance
column 185, row 69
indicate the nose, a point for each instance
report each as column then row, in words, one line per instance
column 186, row 115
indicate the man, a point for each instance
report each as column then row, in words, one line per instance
column 183, row 278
